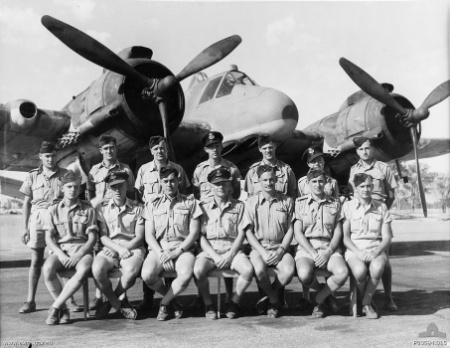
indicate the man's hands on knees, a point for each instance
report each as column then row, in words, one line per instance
column 274, row 257
column 169, row 266
column 74, row 259
column 124, row 253
column 322, row 257
column 223, row 262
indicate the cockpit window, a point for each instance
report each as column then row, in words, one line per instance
column 208, row 94
column 232, row 79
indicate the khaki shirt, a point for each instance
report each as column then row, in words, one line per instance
column 319, row 218
column 331, row 186
column 270, row 219
column 172, row 217
column 366, row 222
column 71, row 224
column 147, row 180
column 221, row 227
column 383, row 178
column 286, row 182
column 119, row 222
column 200, row 178
column 97, row 175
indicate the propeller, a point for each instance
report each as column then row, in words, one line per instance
column 158, row 89
column 409, row 118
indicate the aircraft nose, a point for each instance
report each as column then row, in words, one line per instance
column 277, row 105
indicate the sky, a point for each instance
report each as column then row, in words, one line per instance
column 291, row 46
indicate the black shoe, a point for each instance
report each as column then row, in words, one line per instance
column 262, row 305
column 163, row 313
column 53, row 317
column 390, row 305
column 96, row 303
column 333, row 304
column 211, row 312
column 126, row 303
column 177, row 309
column 65, row 316
column 103, row 311
column 281, row 299
column 28, row 307
column 232, row 310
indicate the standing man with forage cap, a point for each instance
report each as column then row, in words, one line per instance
column 203, row 191
column 71, row 232
column 384, row 185
column 98, row 190
column 172, row 225
column 221, row 240
column 269, row 231
column 122, row 234
column 149, row 185
column 318, row 230
column 367, row 235
column 285, row 180
column 315, row 160
column 41, row 188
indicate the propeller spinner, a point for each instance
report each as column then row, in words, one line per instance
column 97, row 53
column 408, row 117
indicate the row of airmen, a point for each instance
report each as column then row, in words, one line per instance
column 171, row 223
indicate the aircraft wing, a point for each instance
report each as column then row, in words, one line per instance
column 429, row 148
column 10, row 187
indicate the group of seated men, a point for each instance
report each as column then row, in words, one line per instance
column 194, row 234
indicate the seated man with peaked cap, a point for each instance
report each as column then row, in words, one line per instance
column 122, row 234
column 221, row 241
column 318, row 231
column 269, row 231
column 367, row 235
column 71, row 232
column 172, row 225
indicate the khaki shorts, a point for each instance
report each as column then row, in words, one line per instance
column 362, row 244
column 317, row 244
column 139, row 252
column 37, row 233
column 236, row 259
column 71, row 248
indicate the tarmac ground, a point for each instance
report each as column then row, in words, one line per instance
column 420, row 256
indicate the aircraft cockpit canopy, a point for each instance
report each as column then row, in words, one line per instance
column 224, row 85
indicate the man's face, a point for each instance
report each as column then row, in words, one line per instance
column 119, row 190
column 48, row 159
column 364, row 190
column 170, row 185
column 214, row 151
column 365, row 151
column 267, row 181
column 268, row 151
column 159, row 151
column 317, row 185
column 109, row 152
column 317, row 163
column 71, row 190
column 221, row 189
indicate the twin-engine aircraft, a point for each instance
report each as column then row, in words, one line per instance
column 136, row 97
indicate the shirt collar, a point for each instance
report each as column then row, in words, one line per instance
column 364, row 165
column 41, row 170
column 326, row 198
column 127, row 203
column 262, row 199
column 116, row 163
column 366, row 208
column 77, row 204
column 276, row 166
column 215, row 205
column 167, row 198
column 154, row 167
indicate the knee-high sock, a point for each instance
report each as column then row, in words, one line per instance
column 270, row 292
column 371, row 287
column 329, row 288
column 241, row 285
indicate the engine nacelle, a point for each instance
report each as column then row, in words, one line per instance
column 23, row 115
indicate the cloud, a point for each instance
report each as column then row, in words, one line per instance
column 303, row 42
column 278, row 29
column 81, row 9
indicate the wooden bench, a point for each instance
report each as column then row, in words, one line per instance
column 218, row 274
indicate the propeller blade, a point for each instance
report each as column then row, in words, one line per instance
column 438, row 94
column 368, row 84
column 210, row 56
column 165, row 122
column 91, row 49
column 419, row 179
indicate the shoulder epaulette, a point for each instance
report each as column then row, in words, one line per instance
column 303, row 178
column 33, row 170
column 202, row 164
column 255, row 164
column 301, row 198
column 103, row 202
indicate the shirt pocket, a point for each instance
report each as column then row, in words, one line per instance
column 129, row 222
column 281, row 182
column 38, row 190
column 356, row 224
column 232, row 223
column 375, row 222
column 181, row 217
column 160, row 218
column 79, row 225
column 307, row 219
column 61, row 228
column 329, row 218
column 212, row 228
column 280, row 215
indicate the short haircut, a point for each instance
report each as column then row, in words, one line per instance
column 360, row 178
column 106, row 139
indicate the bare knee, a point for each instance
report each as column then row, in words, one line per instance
column 247, row 272
column 341, row 275
column 359, row 273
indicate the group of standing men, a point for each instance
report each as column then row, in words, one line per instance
column 194, row 234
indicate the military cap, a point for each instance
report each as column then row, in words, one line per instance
column 314, row 173
column 311, row 153
column 164, row 172
column 360, row 178
column 116, row 177
column 155, row 140
column 212, row 138
column 70, row 176
column 47, row 147
column 264, row 139
column 219, row 174
column 263, row 169
column 106, row 139
column 358, row 141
